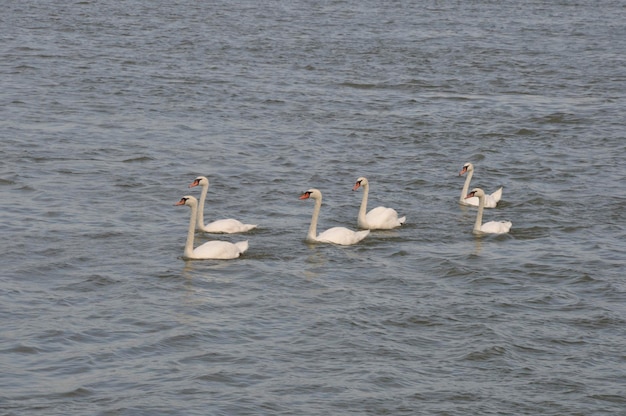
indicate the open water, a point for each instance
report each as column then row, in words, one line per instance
column 109, row 109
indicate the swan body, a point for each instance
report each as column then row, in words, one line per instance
column 220, row 250
column 380, row 218
column 335, row 235
column 491, row 227
column 490, row 200
column 226, row 226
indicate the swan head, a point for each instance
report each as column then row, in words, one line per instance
column 187, row 200
column 360, row 182
column 199, row 181
column 476, row 192
column 468, row 167
column 311, row 193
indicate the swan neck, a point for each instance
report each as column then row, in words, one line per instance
column 311, row 235
column 466, row 185
column 200, row 221
column 191, row 232
column 479, row 215
column 363, row 208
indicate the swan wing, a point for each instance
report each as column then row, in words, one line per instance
column 220, row 250
column 342, row 236
column 496, row 227
column 492, row 200
column 227, row 226
column 383, row 218
column 497, row 195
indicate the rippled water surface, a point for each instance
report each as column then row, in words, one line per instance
column 110, row 109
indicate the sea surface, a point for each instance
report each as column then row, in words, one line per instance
column 109, row 109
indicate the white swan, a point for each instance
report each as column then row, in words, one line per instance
column 490, row 200
column 491, row 227
column 226, row 226
column 335, row 235
column 221, row 250
column 380, row 218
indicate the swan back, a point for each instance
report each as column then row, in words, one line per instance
column 496, row 227
column 219, row 250
column 382, row 218
column 226, row 226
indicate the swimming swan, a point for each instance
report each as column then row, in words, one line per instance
column 491, row 227
column 221, row 250
column 226, row 226
column 380, row 218
column 490, row 200
column 335, row 235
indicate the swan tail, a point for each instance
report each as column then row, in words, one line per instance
column 360, row 235
column 242, row 246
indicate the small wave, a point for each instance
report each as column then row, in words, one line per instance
column 79, row 392
column 485, row 354
column 138, row 159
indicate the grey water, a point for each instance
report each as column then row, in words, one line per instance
column 110, row 109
